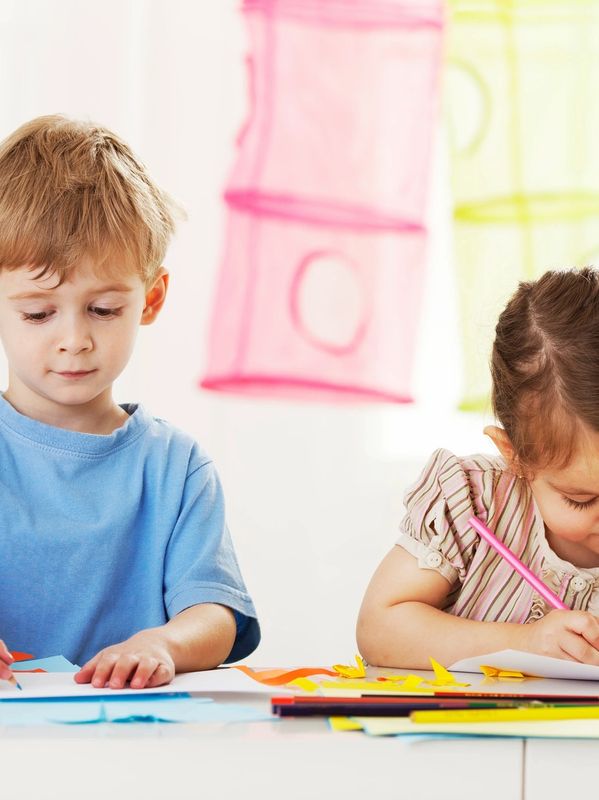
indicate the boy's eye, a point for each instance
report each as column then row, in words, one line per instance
column 37, row 316
column 577, row 505
column 100, row 311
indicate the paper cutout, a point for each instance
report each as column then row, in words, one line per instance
column 279, row 677
column 442, row 676
column 503, row 674
column 20, row 656
column 351, row 672
column 412, row 683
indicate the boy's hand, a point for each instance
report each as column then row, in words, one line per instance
column 573, row 635
column 5, row 659
column 144, row 660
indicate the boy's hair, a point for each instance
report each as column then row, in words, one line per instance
column 545, row 366
column 70, row 189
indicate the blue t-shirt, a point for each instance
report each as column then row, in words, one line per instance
column 103, row 536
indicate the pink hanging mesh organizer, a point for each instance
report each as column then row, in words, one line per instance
column 320, row 283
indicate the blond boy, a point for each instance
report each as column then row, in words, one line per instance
column 113, row 545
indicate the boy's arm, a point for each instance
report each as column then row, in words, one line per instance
column 200, row 637
column 401, row 625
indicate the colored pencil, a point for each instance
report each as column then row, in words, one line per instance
column 515, row 562
column 390, row 707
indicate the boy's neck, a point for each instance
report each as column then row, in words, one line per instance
column 101, row 417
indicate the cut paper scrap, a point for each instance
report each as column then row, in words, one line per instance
column 20, row 656
column 279, row 677
column 442, row 676
column 49, row 664
column 351, row 672
column 503, row 674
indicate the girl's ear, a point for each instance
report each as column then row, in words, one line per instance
column 502, row 442
column 155, row 297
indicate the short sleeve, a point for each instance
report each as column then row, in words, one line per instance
column 201, row 565
column 435, row 528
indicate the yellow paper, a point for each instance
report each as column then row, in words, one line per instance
column 351, row 672
column 443, row 677
column 375, row 686
column 497, row 672
column 344, row 724
column 304, row 683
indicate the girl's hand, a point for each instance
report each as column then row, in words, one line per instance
column 5, row 659
column 573, row 635
column 144, row 660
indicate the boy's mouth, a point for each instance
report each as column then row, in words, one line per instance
column 77, row 374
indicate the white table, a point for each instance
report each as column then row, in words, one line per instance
column 287, row 758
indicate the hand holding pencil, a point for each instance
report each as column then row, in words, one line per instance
column 573, row 635
column 6, row 658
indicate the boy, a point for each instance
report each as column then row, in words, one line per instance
column 113, row 545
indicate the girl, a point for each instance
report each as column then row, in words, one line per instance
column 442, row 591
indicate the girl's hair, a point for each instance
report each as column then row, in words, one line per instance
column 70, row 189
column 545, row 366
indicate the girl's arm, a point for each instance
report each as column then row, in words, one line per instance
column 401, row 624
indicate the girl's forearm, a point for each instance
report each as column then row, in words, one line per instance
column 407, row 634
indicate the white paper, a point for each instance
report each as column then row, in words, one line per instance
column 62, row 684
column 531, row 664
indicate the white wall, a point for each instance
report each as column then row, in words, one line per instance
column 314, row 491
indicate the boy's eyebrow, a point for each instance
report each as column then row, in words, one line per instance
column 572, row 490
column 43, row 293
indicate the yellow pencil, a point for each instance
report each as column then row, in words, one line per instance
column 506, row 714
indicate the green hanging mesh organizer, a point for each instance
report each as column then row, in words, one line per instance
column 522, row 102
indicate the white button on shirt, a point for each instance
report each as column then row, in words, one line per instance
column 433, row 560
column 578, row 584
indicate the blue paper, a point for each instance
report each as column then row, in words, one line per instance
column 168, row 707
column 49, row 664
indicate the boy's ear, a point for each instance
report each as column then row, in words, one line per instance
column 502, row 442
column 155, row 297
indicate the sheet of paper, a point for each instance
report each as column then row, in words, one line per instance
column 542, row 666
column 562, row 729
column 62, row 684
column 126, row 709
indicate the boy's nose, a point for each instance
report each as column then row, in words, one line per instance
column 75, row 338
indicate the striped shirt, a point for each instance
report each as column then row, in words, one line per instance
column 484, row 586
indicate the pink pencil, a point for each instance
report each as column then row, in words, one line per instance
column 503, row 551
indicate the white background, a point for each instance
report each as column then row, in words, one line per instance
column 314, row 491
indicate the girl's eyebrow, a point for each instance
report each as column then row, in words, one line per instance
column 571, row 490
